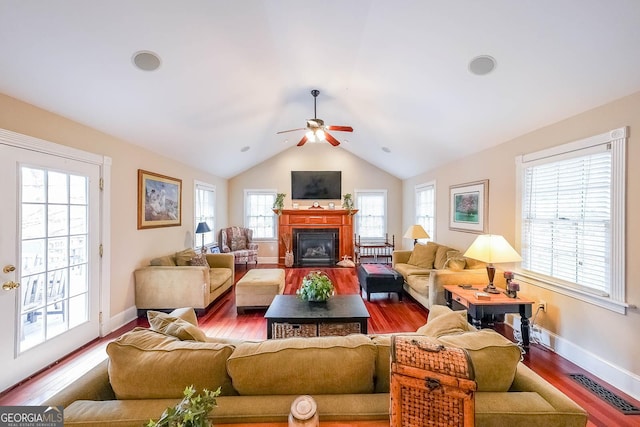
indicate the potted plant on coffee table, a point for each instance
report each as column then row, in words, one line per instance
column 315, row 287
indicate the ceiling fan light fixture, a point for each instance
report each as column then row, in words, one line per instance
column 320, row 135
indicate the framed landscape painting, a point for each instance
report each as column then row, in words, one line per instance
column 159, row 200
column 469, row 207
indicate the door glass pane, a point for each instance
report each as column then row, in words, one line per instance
column 54, row 222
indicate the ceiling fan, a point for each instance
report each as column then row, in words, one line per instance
column 316, row 130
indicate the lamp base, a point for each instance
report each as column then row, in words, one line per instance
column 491, row 289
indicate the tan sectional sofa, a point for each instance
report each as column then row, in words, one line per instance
column 428, row 268
column 348, row 376
column 177, row 280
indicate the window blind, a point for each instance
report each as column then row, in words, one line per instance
column 259, row 214
column 371, row 218
column 566, row 218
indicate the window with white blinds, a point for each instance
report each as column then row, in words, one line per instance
column 204, row 211
column 572, row 216
column 426, row 208
column 259, row 215
column 371, row 221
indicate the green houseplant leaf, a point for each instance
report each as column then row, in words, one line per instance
column 316, row 286
column 192, row 410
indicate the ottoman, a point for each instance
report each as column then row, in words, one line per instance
column 379, row 278
column 258, row 287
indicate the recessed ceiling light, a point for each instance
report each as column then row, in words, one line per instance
column 245, row 149
column 482, row 65
column 386, row 149
column 146, row 60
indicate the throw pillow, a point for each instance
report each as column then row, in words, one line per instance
column 454, row 322
column 441, row 256
column 494, row 358
column 199, row 261
column 183, row 257
column 166, row 261
column 455, row 261
column 174, row 326
column 423, row 255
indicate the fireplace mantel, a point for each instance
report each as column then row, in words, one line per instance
column 341, row 219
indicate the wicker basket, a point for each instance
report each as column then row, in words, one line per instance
column 431, row 385
column 289, row 330
column 338, row 329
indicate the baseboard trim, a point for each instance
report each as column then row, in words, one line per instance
column 119, row 320
column 622, row 379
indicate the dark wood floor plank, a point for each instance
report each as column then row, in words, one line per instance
column 388, row 314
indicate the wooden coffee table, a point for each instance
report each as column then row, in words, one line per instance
column 459, row 298
column 289, row 316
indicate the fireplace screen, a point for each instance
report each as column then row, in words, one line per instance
column 315, row 247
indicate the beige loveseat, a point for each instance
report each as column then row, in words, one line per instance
column 428, row 268
column 180, row 280
column 348, row 376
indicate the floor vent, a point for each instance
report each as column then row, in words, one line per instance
column 613, row 399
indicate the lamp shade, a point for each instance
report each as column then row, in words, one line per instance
column 416, row 232
column 202, row 228
column 492, row 248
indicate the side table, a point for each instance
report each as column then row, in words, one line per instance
column 496, row 304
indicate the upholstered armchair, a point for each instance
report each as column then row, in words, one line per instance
column 238, row 241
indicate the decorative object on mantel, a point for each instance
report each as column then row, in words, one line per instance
column 416, row 232
column 278, row 204
column 288, row 255
column 191, row 411
column 347, row 202
column 492, row 248
column 316, row 205
column 316, row 287
column 304, row 412
column 203, row 228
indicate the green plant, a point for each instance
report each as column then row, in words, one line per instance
column 347, row 202
column 192, row 410
column 315, row 286
column 278, row 204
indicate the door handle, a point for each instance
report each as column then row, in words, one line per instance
column 7, row 286
column 8, row 268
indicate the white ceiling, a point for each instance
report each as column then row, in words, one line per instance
column 234, row 73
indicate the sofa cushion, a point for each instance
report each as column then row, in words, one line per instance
column 304, row 366
column 441, row 256
column 144, row 364
column 174, row 326
column 453, row 322
column 383, row 373
column 495, row 358
column 183, row 257
column 423, row 255
column 455, row 261
column 217, row 277
column 166, row 261
column 411, row 270
column 186, row 313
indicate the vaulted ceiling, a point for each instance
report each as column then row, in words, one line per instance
column 233, row 73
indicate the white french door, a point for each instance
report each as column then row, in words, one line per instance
column 49, row 259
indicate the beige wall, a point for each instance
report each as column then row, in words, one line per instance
column 275, row 174
column 604, row 337
column 131, row 248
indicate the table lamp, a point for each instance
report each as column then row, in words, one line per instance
column 416, row 232
column 201, row 229
column 492, row 248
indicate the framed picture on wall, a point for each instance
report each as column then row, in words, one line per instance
column 469, row 207
column 159, row 200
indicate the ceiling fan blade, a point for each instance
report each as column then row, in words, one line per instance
column 302, row 141
column 341, row 128
column 331, row 139
column 290, row 130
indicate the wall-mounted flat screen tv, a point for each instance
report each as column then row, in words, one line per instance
column 321, row 185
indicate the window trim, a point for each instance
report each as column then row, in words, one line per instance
column 616, row 299
column 247, row 193
column 422, row 187
column 201, row 185
column 384, row 194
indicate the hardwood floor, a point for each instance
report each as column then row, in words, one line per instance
column 387, row 315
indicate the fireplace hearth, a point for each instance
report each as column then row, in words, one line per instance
column 315, row 247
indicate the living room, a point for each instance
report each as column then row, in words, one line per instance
column 592, row 336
